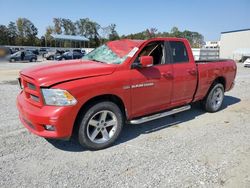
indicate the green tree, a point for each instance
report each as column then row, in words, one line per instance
column 175, row 32
column 26, row 31
column 57, row 25
column 113, row 35
column 47, row 37
column 12, row 33
column 3, row 35
column 20, row 31
column 197, row 40
column 89, row 29
column 150, row 33
column 141, row 35
column 68, row 27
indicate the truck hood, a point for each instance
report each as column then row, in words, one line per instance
column 56, row 72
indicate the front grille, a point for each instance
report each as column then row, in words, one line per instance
column 31, row 91
column 35, row 98
column 31, row 86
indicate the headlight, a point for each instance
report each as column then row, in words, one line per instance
column 58, row 97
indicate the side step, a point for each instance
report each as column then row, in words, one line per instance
column 160, row 115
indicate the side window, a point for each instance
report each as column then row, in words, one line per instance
column 179, row 52
column 28, row 53
column 156, row 50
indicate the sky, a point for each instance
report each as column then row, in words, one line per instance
column 208, row 17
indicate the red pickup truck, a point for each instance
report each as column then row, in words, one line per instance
column 123, row 81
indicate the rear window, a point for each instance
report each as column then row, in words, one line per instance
column 179, row 52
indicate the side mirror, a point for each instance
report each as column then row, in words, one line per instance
column 146, row 61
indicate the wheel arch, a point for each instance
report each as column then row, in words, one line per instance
column 94, row 100
column 220, row 80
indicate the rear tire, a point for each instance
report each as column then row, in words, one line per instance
column 100, row 126
column 214, row 99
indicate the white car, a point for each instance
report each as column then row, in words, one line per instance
column 49, row 53
column 247, row 62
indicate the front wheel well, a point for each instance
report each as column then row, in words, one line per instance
column 107, row 97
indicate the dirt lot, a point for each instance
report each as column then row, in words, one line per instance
column 190, row 149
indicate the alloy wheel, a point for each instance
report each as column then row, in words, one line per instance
column 102, row 126
column 217, row 98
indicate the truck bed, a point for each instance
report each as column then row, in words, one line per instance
column 209, row 70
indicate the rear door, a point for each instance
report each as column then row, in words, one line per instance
column 27, row 55
column 184, row 73
column 76, row 55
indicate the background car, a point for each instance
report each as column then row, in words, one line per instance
column 246, row 63
column 33, row 50
column 14, row 50
column 43, row 51
column 82, row 51
column 69, row 55
column 23, row 56
column 53, row 53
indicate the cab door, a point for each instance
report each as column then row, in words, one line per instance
column 184, row 73
column 151, row 86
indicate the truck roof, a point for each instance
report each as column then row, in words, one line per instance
column 124, row 46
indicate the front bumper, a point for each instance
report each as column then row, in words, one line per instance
column 35, row 118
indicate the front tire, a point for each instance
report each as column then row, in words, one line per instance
column 33, row 60
column 12, row 60
column 214, row 99
column 100, row 125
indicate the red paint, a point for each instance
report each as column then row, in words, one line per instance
column 124, row 46
column 146, row 61
column 173, row 85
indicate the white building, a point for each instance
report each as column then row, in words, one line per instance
column 233, row 41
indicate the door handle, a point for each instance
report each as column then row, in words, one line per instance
column 192, row 72
column 167, row 75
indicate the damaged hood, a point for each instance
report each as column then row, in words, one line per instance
column 52, row 73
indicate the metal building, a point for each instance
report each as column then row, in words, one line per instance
column 233, row 41
column 75, row 41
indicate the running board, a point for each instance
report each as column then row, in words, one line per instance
column 159, row 115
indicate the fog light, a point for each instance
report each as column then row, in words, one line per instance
column 49, row 127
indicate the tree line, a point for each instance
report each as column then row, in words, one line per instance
column 23, row 32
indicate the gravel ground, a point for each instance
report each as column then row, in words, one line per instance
column 190, row 149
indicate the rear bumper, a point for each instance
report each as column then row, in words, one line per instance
column 35, row 118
